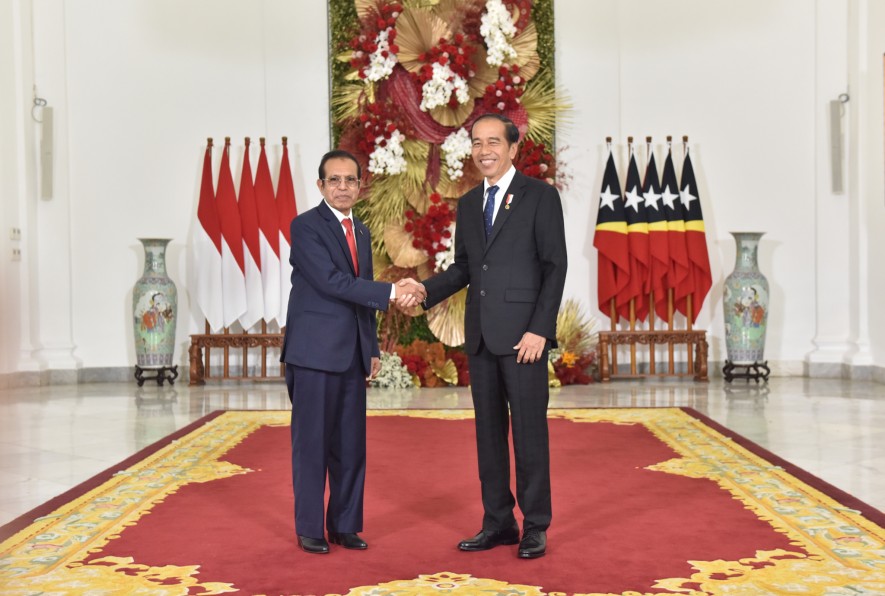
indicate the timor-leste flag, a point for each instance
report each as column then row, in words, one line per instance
column 695, row 237
column 679, row 276
column 637, row 243
column 658, row 238
column 610, row 240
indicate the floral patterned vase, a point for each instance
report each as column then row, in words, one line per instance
column 746, row 303
column 154, row 308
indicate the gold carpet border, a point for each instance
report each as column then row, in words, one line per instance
column 838, row 550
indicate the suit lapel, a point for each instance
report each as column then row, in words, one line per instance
column 515, row 191
column 337, row 232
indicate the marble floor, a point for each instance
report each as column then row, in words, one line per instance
column 54, row 437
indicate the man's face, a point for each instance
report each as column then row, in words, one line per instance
column 491, row 153
column 340, row 196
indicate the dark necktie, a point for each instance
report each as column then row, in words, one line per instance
column 351, row 242
column 488, row 215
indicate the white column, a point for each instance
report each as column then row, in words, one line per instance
column 864, row 127
column 832, row 259
column 52, row 230
column 17, row 188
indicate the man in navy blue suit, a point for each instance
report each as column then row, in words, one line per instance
column 329, row 348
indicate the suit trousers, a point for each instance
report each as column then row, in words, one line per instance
column 498, row 382
column 328, row 438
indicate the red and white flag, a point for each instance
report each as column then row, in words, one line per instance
column 268, row 238
column 206, row 251
column 233, row 267
column 251, row 247
column 286, row 212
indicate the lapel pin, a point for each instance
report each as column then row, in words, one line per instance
column 508, row 201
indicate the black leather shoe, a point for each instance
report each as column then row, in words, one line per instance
column 317, row 546
column 348, row 540
column 487, row 539
column 533, row 544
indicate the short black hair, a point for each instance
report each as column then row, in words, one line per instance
column 339, row 154
column 510, row 129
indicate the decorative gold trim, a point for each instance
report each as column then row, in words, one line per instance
column 837, row 549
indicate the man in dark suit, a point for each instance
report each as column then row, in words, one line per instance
column 329, row 348
column 510, row 252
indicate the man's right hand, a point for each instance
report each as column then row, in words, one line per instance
column 409, row 293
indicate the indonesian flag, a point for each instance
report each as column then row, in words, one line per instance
column 206, row 251
column 679, row 276
column 695, row 237
column 637, row 242
column 251, row 247
column 658, row 239
column 233, row 267
column 286, row 212
column 268, row 238
column 610, row 240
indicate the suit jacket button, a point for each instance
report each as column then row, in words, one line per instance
column 482, row 292
column 485, row 267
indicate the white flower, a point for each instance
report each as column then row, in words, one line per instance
column 393, row 373
column 388, row 159
column 380, row 66
column 438, row 90
column 446, row 257
column 456, row 148
column 497, row 30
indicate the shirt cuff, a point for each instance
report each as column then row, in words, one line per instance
column 392, row 292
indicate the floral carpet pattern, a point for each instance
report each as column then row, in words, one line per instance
column 836, row 549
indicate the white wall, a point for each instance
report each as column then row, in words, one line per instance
column 138, row 90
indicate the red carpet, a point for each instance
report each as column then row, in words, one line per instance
column 621, row 522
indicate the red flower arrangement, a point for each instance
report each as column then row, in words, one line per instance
column 431, row 229
column 423, row 359
column 534, row 160
column 376, row 121
column 504, row 94
column 363, row 45
column 457, row 55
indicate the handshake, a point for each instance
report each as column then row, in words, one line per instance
column 409, row 293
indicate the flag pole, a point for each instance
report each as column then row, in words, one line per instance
column 651, row 292
column 670, row 313
column 245, row 365
column 632, row 300
column 688, row 309
column 226, row 363
column 689, row 303
column 613, row 316
column 209, row 145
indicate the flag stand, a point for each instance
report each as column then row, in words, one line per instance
column 227, row 341
column 645, row 246
column 694, row 340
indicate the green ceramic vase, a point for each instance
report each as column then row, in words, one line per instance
column 746, row 303
column 154, row 308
